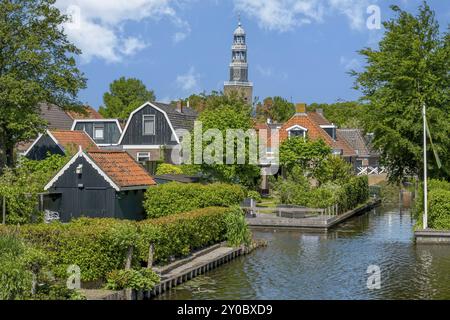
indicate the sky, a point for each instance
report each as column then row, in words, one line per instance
column 301, row 50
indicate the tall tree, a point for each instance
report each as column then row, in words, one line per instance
column 345, row 114
column 37, row 64
column 277, row 109
column 124, row 96
column 410, row 69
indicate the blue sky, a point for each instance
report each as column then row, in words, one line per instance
column 298, row 49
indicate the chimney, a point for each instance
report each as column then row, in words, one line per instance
column 300, row 108
column 269, row 121
column 180, row 106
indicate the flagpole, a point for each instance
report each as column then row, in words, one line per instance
column 425, row 187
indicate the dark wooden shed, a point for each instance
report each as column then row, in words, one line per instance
column 99, row 184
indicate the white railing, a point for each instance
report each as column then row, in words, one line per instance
column 370, row 171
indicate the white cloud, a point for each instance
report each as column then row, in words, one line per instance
column 96, row 26
column 350, row 64
column 264, row 71
column 190, row 81
column 285, row 15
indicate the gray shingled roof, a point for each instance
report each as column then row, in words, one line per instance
column 355, row 139
column 180, row 120
column 56, row 117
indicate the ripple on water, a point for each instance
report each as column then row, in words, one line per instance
column 302, row 265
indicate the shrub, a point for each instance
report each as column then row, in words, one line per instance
column 173, row 198
column 254, row 195
column 143, row 279
column 438, row 205
column 97, row 246
column 100, row 246
column 166, row 168
column 178, row 235
column 237, row 228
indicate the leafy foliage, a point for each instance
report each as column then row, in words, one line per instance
column 21, row 185
column 37, row 64
column 20, row 263
column 254, row 195
column 124, row 96
column 223, row 117
column 438, row 205
column 100, row 246
column 143, row 279
column 410, row 69
column 333, row 169
column 172, row 198
column 277, row 109
column 178, row 235
column 166, row 168
column 346, row 114
column 307, row 154
column 237, row 229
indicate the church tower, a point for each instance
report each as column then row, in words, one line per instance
column 239, row 67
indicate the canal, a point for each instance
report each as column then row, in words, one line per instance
column 305, row 265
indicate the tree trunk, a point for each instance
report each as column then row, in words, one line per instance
column 10, row 156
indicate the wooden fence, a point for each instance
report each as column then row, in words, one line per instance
column 295, row 212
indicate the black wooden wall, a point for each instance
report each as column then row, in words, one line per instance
column 90, row 195
column 134, row 136
column 42, row 147
column 111, row 131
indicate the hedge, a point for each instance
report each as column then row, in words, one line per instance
column 173, row 198
column 348, row 195
column 438, row 205
column 99, row 246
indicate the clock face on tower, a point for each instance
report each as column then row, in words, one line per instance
column 237, row 74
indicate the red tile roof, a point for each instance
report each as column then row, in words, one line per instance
column 90, row 113
column 67, row 138
column 312, row 121
column 121, row 168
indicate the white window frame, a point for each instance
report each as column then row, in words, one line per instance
column 94, row 131
column 143, row 124
column 143, row 155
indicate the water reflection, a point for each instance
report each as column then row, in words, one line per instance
column 332, row 265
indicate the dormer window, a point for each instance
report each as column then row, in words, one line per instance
column 297, row 131
column 148, row 125
column 330, row 130
column 99, row 132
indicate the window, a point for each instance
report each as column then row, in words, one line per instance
column 143, row 156
column 99, row 132
column 148, row 124
column 297, row 133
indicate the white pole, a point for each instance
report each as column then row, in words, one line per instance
column 425, row 187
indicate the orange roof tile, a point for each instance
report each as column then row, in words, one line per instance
column 66, row 138
column 90, row 113
column 122, row 168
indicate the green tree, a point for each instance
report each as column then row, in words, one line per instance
column 214, row 100
column 303, row 153
column 276, row 109
column 229, row 116
column 124, row 96
column 345, row 114
column 37, row 64
column 410, row 69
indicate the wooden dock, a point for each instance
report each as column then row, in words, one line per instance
column 321, row 222
column 178, row 272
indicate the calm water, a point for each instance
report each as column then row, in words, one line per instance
column 302, row 265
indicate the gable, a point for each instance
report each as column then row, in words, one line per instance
column 164, row 130
column 43, row 145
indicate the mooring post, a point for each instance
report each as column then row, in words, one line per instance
column 128, row 262
column 151, row 252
